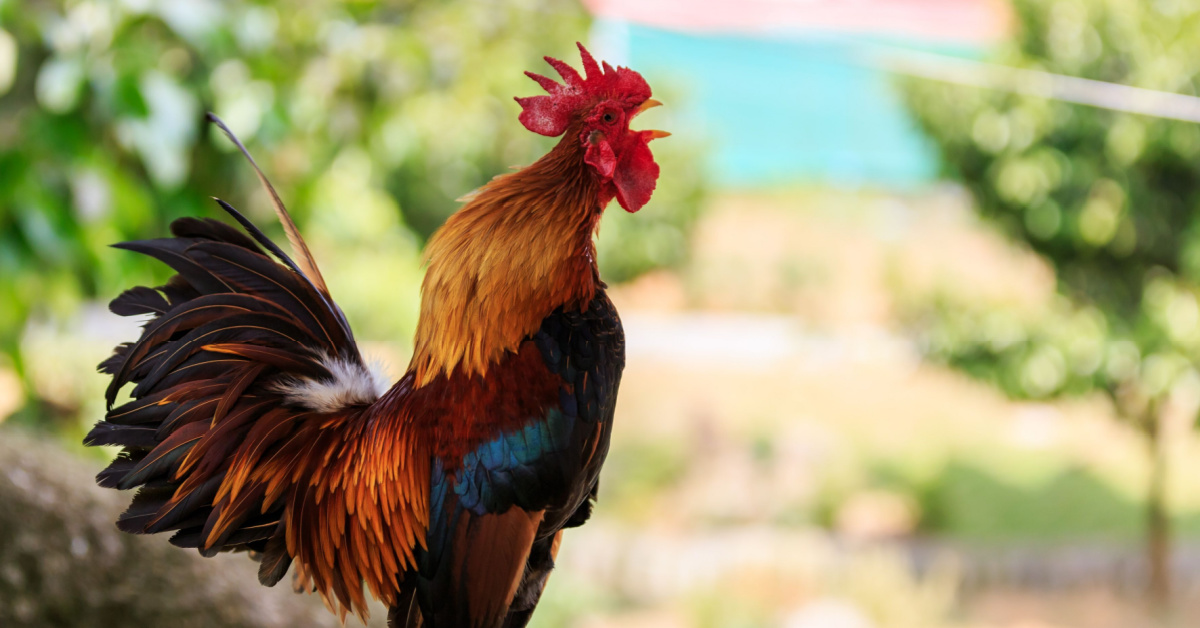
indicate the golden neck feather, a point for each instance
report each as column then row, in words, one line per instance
column 520, row 247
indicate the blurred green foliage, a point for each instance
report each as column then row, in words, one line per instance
column 1065, row 349
column 640, row 471
column 969, row 502
column 370, row 118
column 1109, row 199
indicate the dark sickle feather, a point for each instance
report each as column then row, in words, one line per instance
column 293, row 233
column 307, row 267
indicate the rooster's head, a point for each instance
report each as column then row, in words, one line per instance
column 600, row 107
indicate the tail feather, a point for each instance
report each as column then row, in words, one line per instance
column 136, row 436
column 213, row 230
column 266, row 242
column 139, row 300
column 247, row 388
column 308, row 264
column 173, row 253
column 275, row 559
column 180, row 514
column 253, row 422
column 406, row 613
column 142, row 509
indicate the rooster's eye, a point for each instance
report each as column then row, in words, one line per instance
column 609, row 118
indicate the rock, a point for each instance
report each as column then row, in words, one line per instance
column 64, row 563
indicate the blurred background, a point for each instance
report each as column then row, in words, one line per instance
column 904, row 352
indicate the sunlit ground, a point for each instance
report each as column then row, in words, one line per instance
column 783, row 457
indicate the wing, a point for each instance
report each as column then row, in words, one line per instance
column 254, row 424
column 530, row 439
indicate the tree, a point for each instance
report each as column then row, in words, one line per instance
column 1111, row 201
column 370, row 117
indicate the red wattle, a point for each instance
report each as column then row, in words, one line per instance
column 636, row 175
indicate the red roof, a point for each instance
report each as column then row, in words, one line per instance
column 976, row 21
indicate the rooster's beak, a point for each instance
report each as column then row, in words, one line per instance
column 650, row 104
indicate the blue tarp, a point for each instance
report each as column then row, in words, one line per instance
column 781, row 109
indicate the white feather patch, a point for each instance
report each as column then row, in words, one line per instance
column 351, row 384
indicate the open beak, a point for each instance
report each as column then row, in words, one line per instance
column 650, row 104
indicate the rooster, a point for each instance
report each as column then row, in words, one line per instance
column 255, row 425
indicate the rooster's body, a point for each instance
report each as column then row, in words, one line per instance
column 255, row 425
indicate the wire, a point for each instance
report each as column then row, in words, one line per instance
column 1083, row 91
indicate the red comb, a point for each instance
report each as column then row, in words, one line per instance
column 551, row 115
